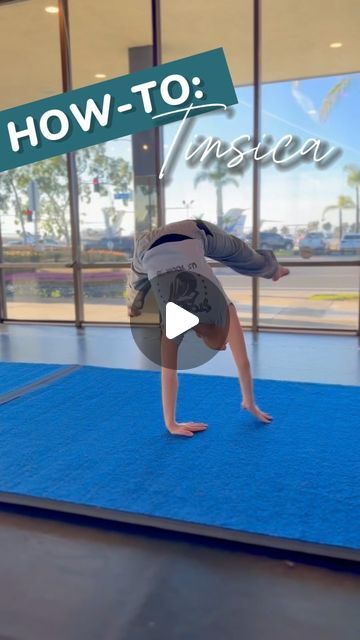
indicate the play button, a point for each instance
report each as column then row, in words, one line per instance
column 189, row 309
column 178, row 320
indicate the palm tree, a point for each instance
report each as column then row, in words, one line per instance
column 353, row 180
column 218, row 176
column 327, row 226
column 343, row 202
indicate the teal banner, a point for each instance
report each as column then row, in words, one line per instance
column 115, row 108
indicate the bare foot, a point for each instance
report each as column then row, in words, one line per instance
column 280, row 273
column 133, row 312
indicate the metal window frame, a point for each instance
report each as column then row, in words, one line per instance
column 3, row 309
column 77, row 265
column 159, row 143
column 256, row 165
column 66, row 71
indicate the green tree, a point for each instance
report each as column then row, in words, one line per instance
column 285, row 230
column 13, row 196
column 113, row 219
column 54, row 214
column 51, row 177
column 112, row 173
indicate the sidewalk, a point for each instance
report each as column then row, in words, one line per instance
column 298, row 308
column 291, row 308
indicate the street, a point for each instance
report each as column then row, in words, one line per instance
column 311, row 278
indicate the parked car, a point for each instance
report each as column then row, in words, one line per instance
column 116, row 243
column 350, row 243
column 316, row 242
column 274, row 241
column 42, row 243
column 50, row 243
column 19, row 243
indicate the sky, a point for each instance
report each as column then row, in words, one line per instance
column 297, row 195
column 289, row 197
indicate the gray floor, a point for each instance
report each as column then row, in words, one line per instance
column 62, row 581
column 311, row 358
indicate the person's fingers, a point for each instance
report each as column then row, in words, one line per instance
column 196, row 426
column 188, row 428
column 183, row 432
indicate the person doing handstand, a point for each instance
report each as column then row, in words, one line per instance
column 174, row 256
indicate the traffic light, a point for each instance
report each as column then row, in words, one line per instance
column 29, row 214
column 96, row 185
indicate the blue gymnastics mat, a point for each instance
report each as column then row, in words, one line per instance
column 14, row 375
column 96, row 439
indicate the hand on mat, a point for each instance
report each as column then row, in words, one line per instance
column 260, row 415
column 186, row 428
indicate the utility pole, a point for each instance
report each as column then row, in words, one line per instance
column 34, row 205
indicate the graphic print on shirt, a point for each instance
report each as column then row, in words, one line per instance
column 185, row 291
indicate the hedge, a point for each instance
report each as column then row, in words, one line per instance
column 47, row 284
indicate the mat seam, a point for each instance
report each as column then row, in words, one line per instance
column 9, row 396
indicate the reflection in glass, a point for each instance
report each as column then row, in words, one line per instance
column 211, row 191
column 311, row 90
column 117, row 178
column 40, row 294
column 312, row 298
column 35, row 212
column 105, row 295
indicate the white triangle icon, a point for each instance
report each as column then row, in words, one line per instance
column 178, row 320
